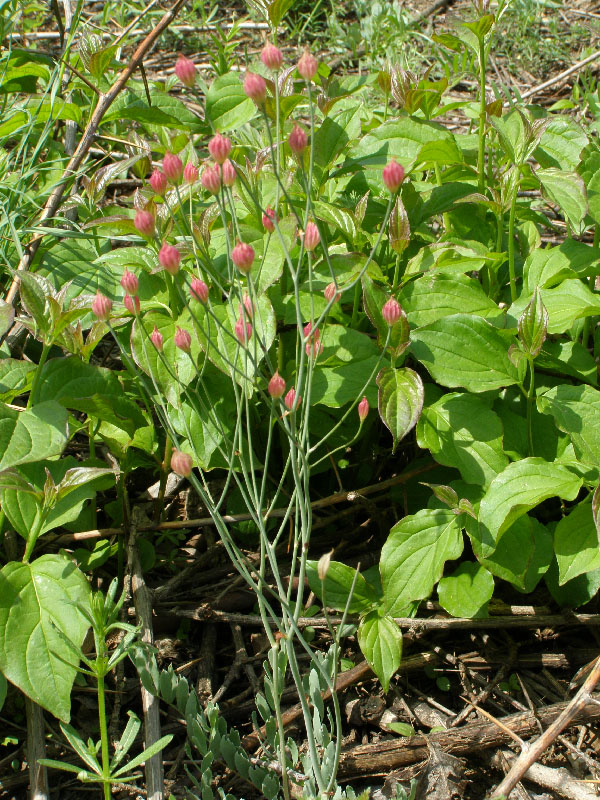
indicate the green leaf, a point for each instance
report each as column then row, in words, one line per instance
column 549, row 266
column 380, row 640
column 523, row 485
column 574, row 593
column 570, row 301
column 336, row 386
column 35, row 599
column 227, row 106
column 400, row 400
column 576, row 544
column 374, row 298
column 514, row 134
column 333, row 134
column 566, row 358
column 15, row 377
column 533, row 325
column 145, row 755
column 462, row 431
column 465, row 350
column 436, row 295
column 413, row 557
column 7, row 316
column 31, row 435
column 467, row 591
column 561, row 144
column 567, row 190
column 165, row 110
column 337, row 588
column 576, row 411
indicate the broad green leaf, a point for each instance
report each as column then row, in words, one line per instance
column 523, row 485
column 413, row 557
column 574, row 593
column 380, row 640
column 576, row 411
column 448, row 257
column 37, row 112
column 165, row 110
column 344, row 383
column 467, row 591
column 35, row 599
column 7, row 316
column 514, row 134
column 31, row 435
column 33, row 290
column 400, row 400
column 15, row 377
column 576, row 543
column 566, row 358
column 227, row 106
column 567, row 190
column 333, row 134
column 561, row 144
column 465, row 350
column 523, row 554
column 3, row 690
column 533, row 325
column 550, row 266
column 436, row 295
column 570, row 301
column 337, row 588
column 462, row 431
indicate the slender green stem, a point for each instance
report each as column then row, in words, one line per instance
column 482, row 117
column 164, row 473
column 511, row 239
column 530, row 398
column 280, row 728
column 103, row 736
column 33, row 536
column 38, row 374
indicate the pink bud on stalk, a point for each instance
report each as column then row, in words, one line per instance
column 211, row 178
column 199, row 290
column 130, row 282
column 312, row 236
column 272, row 57
column 181, row 463
column 158, row 182
column 298, row 140
column 247, row 305
column 157, row 339
column 307, row 65
column 101, row 306
column 243, row 256
column 243, row 331
column 190, row 173
column 393, row 175
column 132, row 304
column 391, row 311
column 172, row 167
column 169, row 258
column 290, row 399
column 313, row 348
column 363, row 409
column 219, row 147
column 144, row 222
column 310, row 332
column 185, row 70
column 276, row 386
column 183, row 340
column 331, row 294
column 255, row 88
column 268, row 219
column 228, row 173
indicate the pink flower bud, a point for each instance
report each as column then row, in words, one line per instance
column 199, row 290
column 255, row 88
column 247, row 305
column 157, row 339
column 101, row 306
column 330, row 293
column 272, row 57
column 243, row 331
column 363, row 409
column 181, row 463
column 132, row 304
column 308, row 66
column 130, row 282
column 297, row 140
column 393, row 175
column 144, row 222
column 290, row 399
column 276, row 386
column 311, row 236
column 228, row 173
column 190, row 173
column 243, row 256
column 211, row 179
column 158, row 182
column 313, row 348
column 169, row 258
column 268, row 219
column 391, row 311
column 172, row 167
column 183, row 340
column 219, row 147
column 185, row 70
column 310, row 332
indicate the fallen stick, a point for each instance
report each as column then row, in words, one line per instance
column 381, row 758
column 570, row 711
column 561, row 76
column 558, row 779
